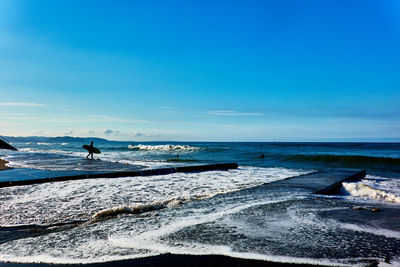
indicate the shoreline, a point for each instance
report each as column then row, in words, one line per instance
column 171, row 260
column 3, row 165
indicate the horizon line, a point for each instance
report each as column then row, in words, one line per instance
column 385, row 140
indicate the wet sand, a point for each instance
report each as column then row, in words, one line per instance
column 3, row 165
column 173, row 260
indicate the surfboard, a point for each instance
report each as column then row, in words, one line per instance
column 4, row 145
column 94, row 150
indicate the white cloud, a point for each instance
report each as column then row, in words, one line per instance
column 232, row 113
column 137, row 134
column 109, row 132
column 89, row 132
column 21, row 104
column 58, row 118
column 144, row 135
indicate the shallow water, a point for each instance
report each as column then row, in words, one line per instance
column 232, row 212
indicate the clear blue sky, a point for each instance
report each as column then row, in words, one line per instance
column 201, row 70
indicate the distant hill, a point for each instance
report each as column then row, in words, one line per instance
column 58, row 139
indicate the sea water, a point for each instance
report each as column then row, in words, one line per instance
column 216, row 212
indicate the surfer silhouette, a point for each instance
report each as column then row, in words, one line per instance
column 90, row 149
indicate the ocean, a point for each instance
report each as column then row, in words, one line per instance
column 232, row 212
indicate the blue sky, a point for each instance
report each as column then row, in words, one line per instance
column 201, row 70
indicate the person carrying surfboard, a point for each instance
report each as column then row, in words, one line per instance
column 90, row 149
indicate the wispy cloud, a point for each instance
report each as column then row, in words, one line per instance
column 21, row 104
column 105, row 118
column 232, row 113
column 123, row 135
column 89, row 132
column 111, row 132
column 108, row 131
column 66, row 118
column 137, row 134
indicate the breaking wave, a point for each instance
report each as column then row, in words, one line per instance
column 361, row 190
column 164, row 147
column 138, row 209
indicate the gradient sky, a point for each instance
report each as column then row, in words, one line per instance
column 201, row 70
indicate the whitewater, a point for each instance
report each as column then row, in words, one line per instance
column 231, row 212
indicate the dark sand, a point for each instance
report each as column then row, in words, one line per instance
column 173, row 260
column 3, row 165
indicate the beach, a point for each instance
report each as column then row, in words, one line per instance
column 176, row 260
column 199, row 133
column 289, row 207
column 3, row 165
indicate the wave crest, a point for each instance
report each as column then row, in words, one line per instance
column 164, row 147
column 362, row 190
column 137, row 209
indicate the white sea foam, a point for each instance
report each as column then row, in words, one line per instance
column 391, row 264
column 153, row 239
column 391, row 185
column 60, row 160
column 376, row 231
column 185, row 249
column 164, row 147
column 204, row 249
column 138, row 240
column 67, row 160
column 54, row 201
column 138, row 208
column 360, row 189
column 150, row 239
column 47, row 258
column 132, row 237
column 70, row 200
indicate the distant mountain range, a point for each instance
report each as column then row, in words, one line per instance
column 58, row 139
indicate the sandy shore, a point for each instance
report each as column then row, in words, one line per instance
column 173, row 260
column 3, row 165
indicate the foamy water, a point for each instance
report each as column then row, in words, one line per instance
column 50, row 157
column 86, row 199
column 186, row 229
column 134, row 237
column 376, row 188
column 217, row 212
column 71, row 200
column 178, row 148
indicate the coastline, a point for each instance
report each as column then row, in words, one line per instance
column 163, row 259
column 171, row 260
column 254, row 213
column 3, row 165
